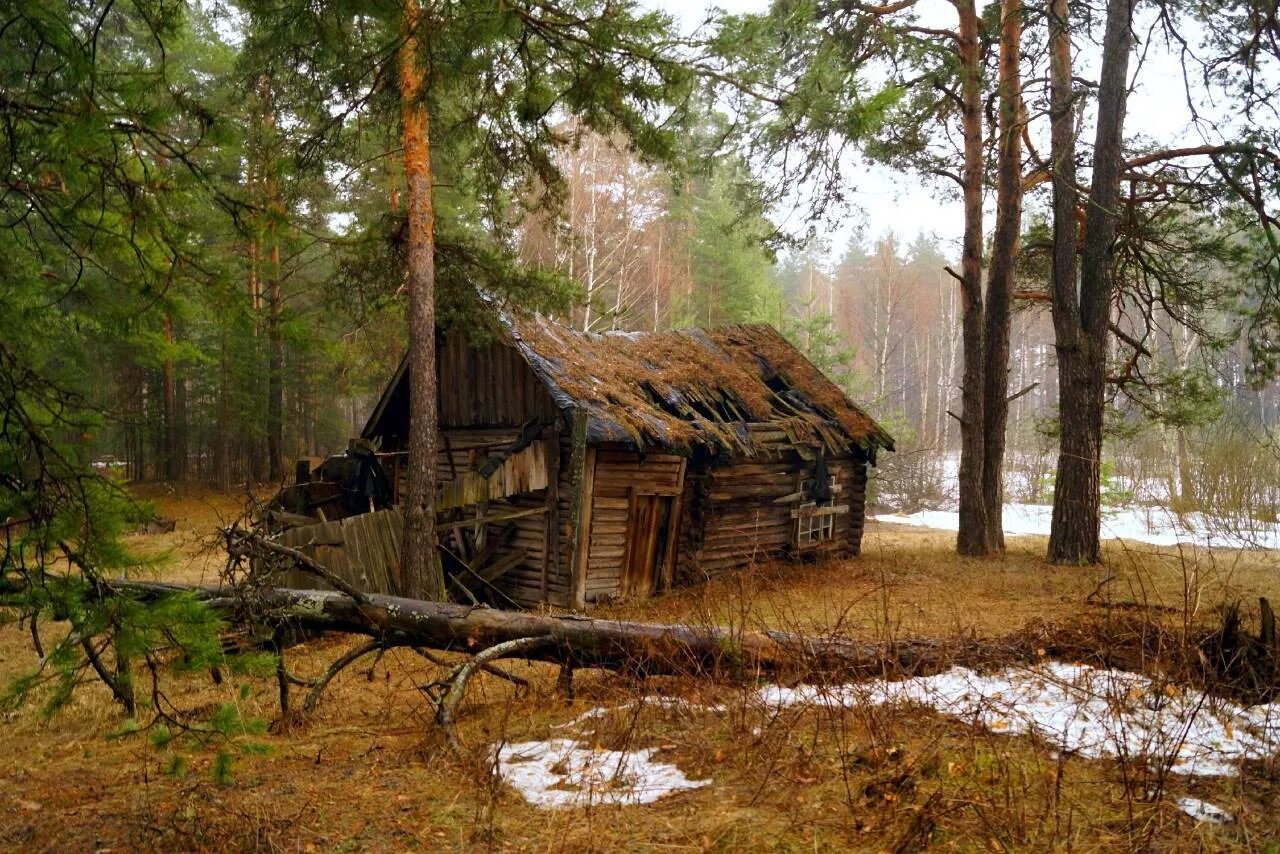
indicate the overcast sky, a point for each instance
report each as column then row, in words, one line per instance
column 886, row 200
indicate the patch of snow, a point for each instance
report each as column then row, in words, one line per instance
column 1205, row 811
column 1153, row 525
column 1089, row 711
column 677, row 703
column 564, row 773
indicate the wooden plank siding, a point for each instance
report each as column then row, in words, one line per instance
column 488, row 385
column 724, row 514
column 617, row 475
column 524, row 583
column 362, row 550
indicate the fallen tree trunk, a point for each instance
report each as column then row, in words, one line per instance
column 575, row 641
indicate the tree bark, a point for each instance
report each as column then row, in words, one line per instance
column 258, row 467
column 222, row 449
column 422, row 576
column 580, row 641
column 172, row 440
column 1004, row 247
column 275, row 307
column 1074, row 537
column 972, row 536
column 275, row 359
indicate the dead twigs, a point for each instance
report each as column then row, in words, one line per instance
column 339, row 664
column 448, row 692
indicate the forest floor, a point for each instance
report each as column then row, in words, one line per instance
column 370, row 771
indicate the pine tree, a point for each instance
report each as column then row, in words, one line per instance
column 476, row 85
column 101, row 158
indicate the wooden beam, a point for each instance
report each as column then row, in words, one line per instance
column 673, row 531
column 496, row 517
column 582, row 554
column 577, row 473
column 551, row 537
column 809, row 512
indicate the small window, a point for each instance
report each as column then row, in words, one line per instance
column 816, row 520
column 814, row 524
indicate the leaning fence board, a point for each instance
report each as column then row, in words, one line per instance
column 361, row 550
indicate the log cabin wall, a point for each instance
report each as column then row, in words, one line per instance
column 735, row 520
column 636, row 504
column 856, row 480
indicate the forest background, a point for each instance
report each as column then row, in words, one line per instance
column 245, row 309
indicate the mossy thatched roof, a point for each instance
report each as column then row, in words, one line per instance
column 690, row 387
column 740, row 389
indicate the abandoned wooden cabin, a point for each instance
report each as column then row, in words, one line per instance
column 576, row 467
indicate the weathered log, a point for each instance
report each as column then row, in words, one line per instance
column 577, row 641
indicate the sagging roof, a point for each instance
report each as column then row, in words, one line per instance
column 731, row 388
column 687, row 387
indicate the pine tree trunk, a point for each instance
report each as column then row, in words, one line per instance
column 222, row 450
column 257, row 466
column 422, row 577
column 646, row 648
column 182, row 437
column 136, row 385
column 1000, row 279
column 172, row 463
column 1075, row 534
column 275, row 364
column 972, row 536
column 275, row 310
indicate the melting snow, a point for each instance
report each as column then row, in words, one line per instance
column 1154, row 525
column 566, row 773
column 1079, row 709
column 1204, row 811
column 671, row 703
column 1088, row 711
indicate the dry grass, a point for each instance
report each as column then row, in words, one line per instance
column 369, row 772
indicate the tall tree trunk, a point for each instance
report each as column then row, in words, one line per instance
column 182, row 437
column 972, row 536
column 1004, row 248
column 275, row 306
column 172, row 456
column 1082, row 332
column 222, row 449
column 135, row 394
column 422, row 574
column 258, row 466
column 275, row 361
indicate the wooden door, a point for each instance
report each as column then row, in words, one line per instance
column 650, row 535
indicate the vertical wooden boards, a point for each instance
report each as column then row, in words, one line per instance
column 362, row 550
column 674, row 532
column 580, row 469
column 650, row 532
column 524, row 471
column 619, row 540
column 552, row 536
column 489, row 385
